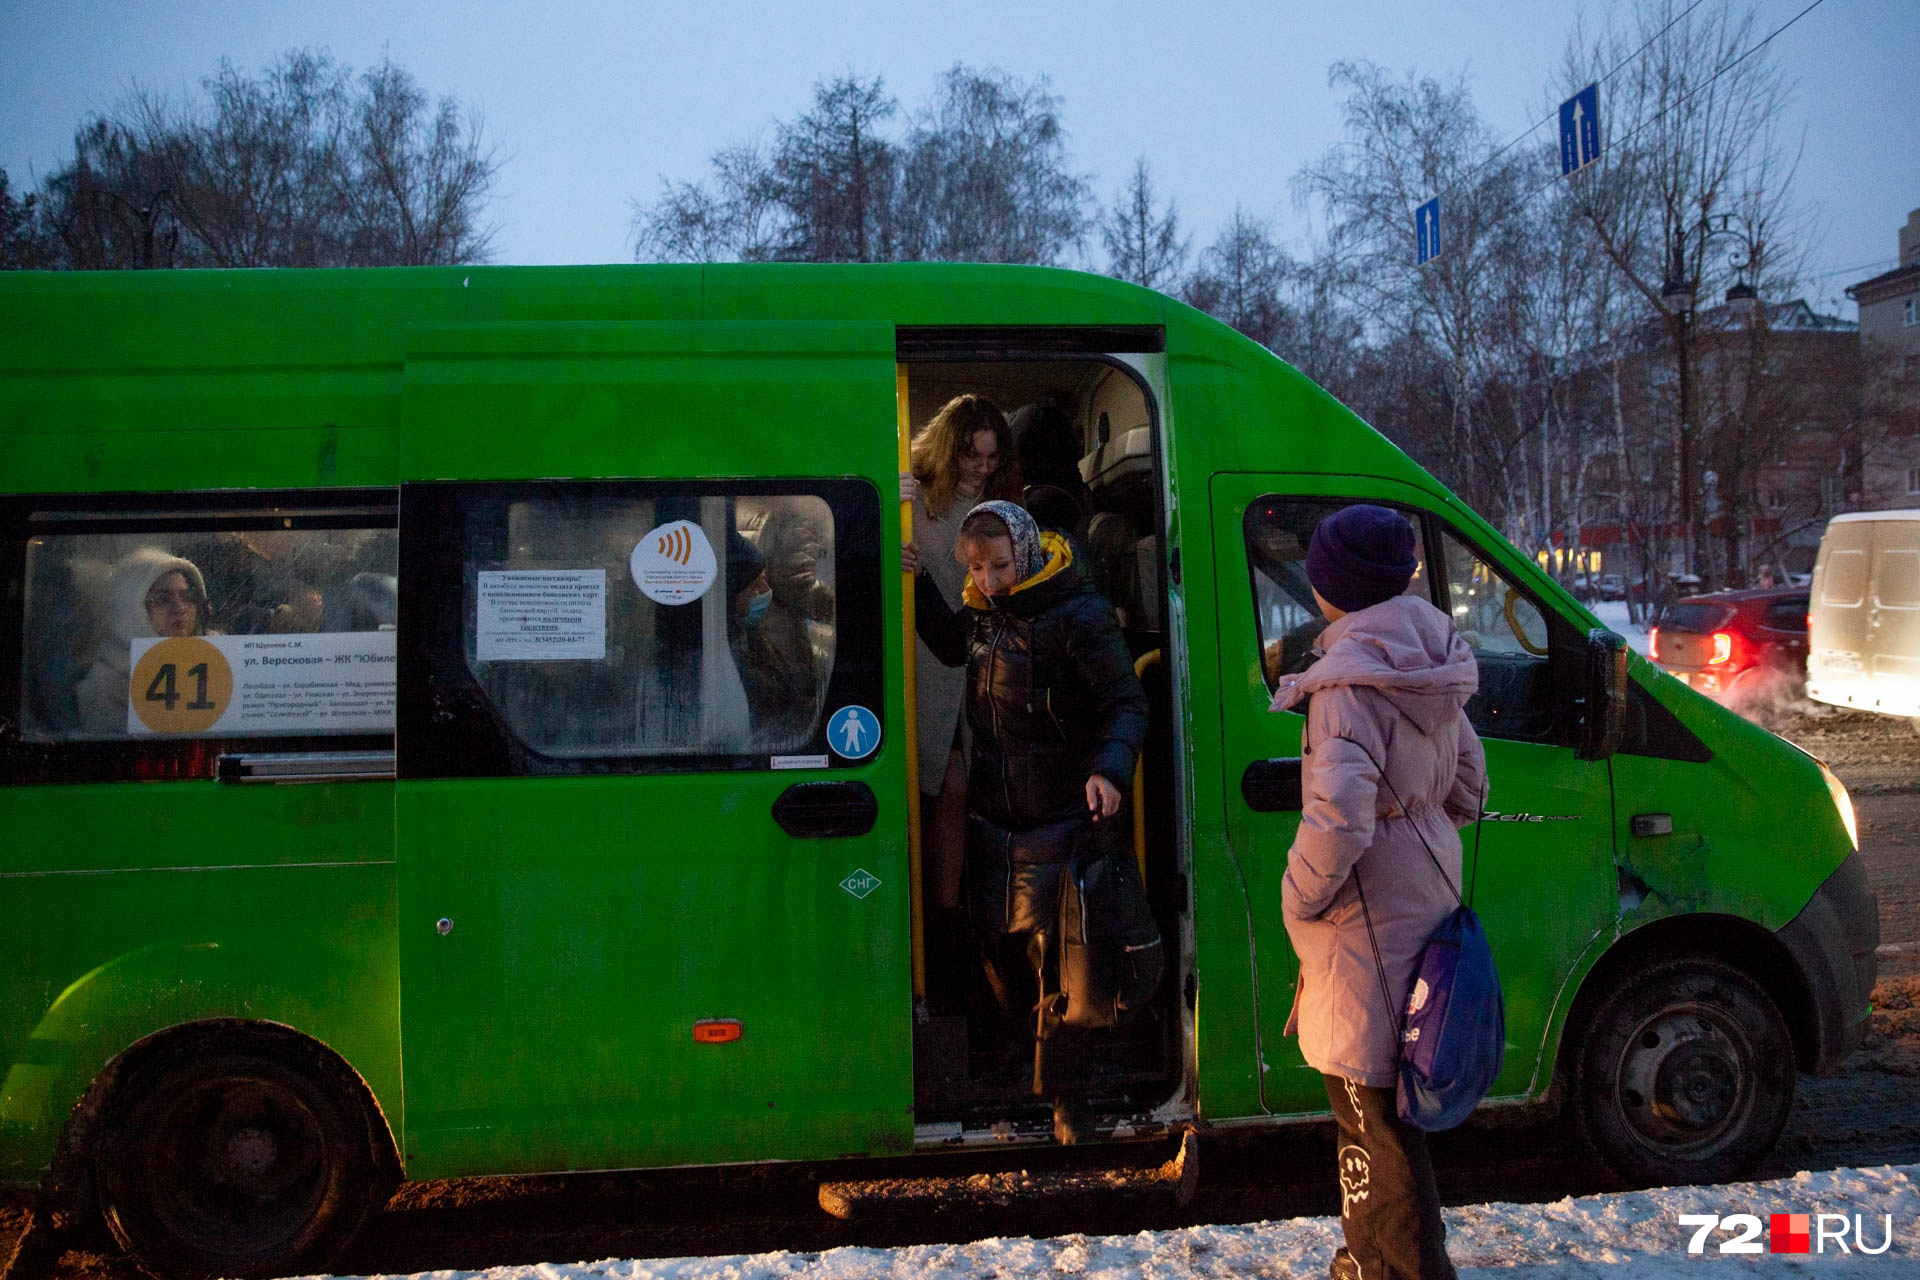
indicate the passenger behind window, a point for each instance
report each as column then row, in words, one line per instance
column 368, row 602
column 151, row 593
column 782, row 665
column 299, row 614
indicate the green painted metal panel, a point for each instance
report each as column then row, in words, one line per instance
column 134, row 908
column 595, row 920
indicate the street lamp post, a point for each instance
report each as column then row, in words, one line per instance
column 1677, row 296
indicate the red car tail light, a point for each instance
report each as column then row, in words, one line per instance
column 1653, row 643
column 1722, row 648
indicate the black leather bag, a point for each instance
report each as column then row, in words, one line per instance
column 1111, row 956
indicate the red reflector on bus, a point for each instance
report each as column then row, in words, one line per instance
column 716, row 1031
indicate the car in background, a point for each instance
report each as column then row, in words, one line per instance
column 1734, row 644
column 1610, row 586
column 1864, row 627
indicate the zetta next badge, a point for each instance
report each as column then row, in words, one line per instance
column 854, row 732
column 673, row 563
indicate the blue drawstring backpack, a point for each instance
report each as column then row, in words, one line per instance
column 1453, row 1031
column 1456, row 1026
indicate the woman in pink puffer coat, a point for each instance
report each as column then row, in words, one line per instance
column 1388, row 695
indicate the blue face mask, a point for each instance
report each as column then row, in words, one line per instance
column 757, row 607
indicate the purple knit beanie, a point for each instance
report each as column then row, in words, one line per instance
column 1361, row 555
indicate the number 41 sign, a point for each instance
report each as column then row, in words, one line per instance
column 234, row 686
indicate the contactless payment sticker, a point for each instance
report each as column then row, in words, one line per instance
column 674, row 563
column 854, row 732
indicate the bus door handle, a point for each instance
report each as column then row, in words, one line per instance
column 824, row 810
column 1272, row 786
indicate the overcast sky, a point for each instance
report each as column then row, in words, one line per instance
column 592, row 101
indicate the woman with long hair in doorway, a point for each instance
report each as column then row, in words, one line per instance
column 962, row 456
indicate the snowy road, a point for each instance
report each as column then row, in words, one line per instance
column 1632, row 1234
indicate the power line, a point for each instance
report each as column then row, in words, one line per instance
column 1618, row 67
column 1690, row 96
column 1675, row 106
column 1527, row 199
column 1878, row 264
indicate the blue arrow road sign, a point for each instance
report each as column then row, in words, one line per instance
column 1426, row 231
column 1580, row 130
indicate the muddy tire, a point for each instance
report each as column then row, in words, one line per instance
column 241, row 1154
column 1684, row 1075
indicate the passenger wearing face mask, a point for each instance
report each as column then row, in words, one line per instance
column 964, row 455
column 151, row 594
column 1057, row 718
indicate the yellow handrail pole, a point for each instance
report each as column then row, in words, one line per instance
column 1140, row 668
column 915, row 874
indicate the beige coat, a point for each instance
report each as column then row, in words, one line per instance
column 1390, row 693
column 942, row 689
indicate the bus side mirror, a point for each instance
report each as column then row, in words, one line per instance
column 1603, row 704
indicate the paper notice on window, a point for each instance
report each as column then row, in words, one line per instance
column 255, row 686
column 540, row 615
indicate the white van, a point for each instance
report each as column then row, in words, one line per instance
column 1863, row 642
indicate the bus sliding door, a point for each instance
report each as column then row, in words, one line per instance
column 653, row 862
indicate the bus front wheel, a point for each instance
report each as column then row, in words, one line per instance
column 237, row 1154
column 1685, row 1075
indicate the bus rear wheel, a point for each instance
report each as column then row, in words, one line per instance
column 1685, row 1075
column 239, row 1154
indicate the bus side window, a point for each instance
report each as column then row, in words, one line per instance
column 737, row 664
column 1509, row 638
column 635, row 626
column 188, row 618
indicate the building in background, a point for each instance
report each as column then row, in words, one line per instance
column 1890, row 348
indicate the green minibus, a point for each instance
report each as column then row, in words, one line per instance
column 398, row 780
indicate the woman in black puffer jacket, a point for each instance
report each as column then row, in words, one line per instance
column 1058, row 718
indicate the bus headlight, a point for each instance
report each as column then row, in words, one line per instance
column 1843, row 802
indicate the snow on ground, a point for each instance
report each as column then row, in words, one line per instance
column 1613, row 1237
column 1613, row 616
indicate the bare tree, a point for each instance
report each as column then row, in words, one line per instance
column 987, row 177
column 1408, row 139
column 1696, row 107
column 22, row 237
column 1241, row 280
column 112, row 206
column 416, row 175
column 981, row 174
column 732, row 215
column 1142, row 235
column 835, row 171
column 299, row 166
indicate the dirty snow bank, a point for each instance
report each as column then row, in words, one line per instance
column 1634, row 1234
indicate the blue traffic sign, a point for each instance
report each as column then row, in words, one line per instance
column 854, row 732
column 1580, row 130
column 1426, row 231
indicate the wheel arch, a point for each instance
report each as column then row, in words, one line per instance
column 340, row 996
column 1748, row 947
column 69, row 1192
